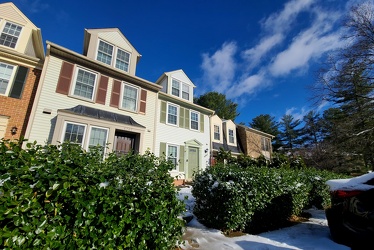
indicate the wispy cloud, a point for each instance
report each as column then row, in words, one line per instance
column 219, row 68
column 284, row 47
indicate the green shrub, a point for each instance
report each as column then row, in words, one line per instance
column 64, row 197
column 256, row 199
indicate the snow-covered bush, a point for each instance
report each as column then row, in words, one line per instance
column 57, row 197
column 231, row 198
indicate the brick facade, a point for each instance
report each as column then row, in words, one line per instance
column 18, row 110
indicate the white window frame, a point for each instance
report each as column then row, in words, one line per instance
column 78, row 124
column 89, row 138
column 176, row 168
column 215, row 133
column 231, row 137
column 111, row 55
column 197, row 121
column 75, row 84
column 181, row 87
column 18, row 37
column 167, row 114
column 265, row 144
column 124, row 84
column 114, row 58
column 11, row 78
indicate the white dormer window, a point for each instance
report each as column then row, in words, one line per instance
column 106, row 52
column 10, row 34
column 231, row 136
column 176, row 87
column 122, row 60
column 217, row 135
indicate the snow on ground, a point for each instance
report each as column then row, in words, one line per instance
column 311, row 235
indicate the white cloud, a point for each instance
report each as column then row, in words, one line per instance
column 248, row 85
column 309, row 44
column 254, row 55
column 219, row 68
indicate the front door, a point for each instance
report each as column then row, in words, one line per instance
column 124, row 143
column 193, row 161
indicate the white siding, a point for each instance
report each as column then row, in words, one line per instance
column 175, row 135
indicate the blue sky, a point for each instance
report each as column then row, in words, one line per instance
column 261, row 54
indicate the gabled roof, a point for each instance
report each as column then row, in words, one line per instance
column 255, row 131
column 170, row 73
column 19, row 17
column 87, row 37
column 103, row 115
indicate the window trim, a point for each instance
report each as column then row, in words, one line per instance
column 231, row 137
column 114, row 58
column 219, row 132
column 74, row 123
column 11, row 78
column 74, row 81
column 111, row 56
column 89, row 137
column 2, row 30
column 180, row 89
column 197, row 121
column 123, row 84
column 176, row 157
column 167, row 114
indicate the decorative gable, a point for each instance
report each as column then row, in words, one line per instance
column 111, row 47
column 177, row 83
column 19, row 33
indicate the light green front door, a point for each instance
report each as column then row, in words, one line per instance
column 193, row 161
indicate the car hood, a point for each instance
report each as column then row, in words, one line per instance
column 355, row 183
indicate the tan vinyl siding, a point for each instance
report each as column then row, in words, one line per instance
column 116, row 39
column 12, row 15
column 30, row 50
column 50, row 99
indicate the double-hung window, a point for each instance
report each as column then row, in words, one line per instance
column 216, row 133
column 122, row 60
column 172, row 155
column 85, row 82
column 231, row 136
column 265, row 144
column 175, row 87
column 6, row 73
column 172, row 114
column 185, row 92
column 194, row 120
column 130, row 98
column 106, row 52
column 10, row 34
column 180, row 89
column 98, row 137
column 74, row 133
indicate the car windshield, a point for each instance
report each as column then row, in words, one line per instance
column 361, row 182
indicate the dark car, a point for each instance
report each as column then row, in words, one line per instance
column 351, row 215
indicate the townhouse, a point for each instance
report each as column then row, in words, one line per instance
column 183, row 128
column 95, row 98
column 21, row 61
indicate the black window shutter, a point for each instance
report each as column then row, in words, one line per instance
column 19, row 82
